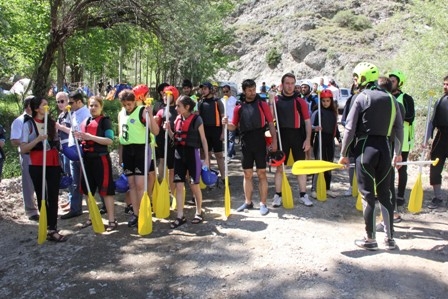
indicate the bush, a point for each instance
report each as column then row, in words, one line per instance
column 273, row 57
column 347, row 19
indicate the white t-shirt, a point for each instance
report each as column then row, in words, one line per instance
column 78, row 117
column 17, row 128
column 230, row 106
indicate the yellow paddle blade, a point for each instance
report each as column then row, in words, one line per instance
column 313, row 166
column 155, row 194
column 174, row 201
column 227, row 200
column 163, row 201
column 355, row 185
column 290, row 161
column 42, row 231
column 95, row 216
column 321, row 187
column 288, row 202
column 145, row 216
column 416, row 196
column 359, row 202
column 201, row 184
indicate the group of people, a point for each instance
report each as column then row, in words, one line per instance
column 188, row 127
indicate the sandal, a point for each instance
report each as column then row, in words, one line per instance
column 55, row 236
column 87, row 223
column 197, row 219
column 112, row 226
column 178, row 222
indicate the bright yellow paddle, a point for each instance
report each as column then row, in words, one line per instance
column 290, row 161
column 359, row 202
column 416, row 196
column 313, row 166
column 355, row 190
column 321, row 187
column 42, row 230
column 145, row 213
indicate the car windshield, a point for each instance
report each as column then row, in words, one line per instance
column 344, row 92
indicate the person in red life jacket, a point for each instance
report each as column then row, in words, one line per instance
column 32, row 143
column 211, row 110
column 252, row 116
column 329, row 128
column 132, row 130
column 96, row 135
column 189, row 138
column 161, row 119
column 295, row 132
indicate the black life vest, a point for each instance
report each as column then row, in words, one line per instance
column 209, row 111
column 185, row 133
column 93, row 126
column 286, row 105
column 440, row 113
column 251, row 116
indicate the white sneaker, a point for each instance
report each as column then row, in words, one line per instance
column 276, row 201
column 313, row 194
column 332, row 193
column 348, row 192
column 306, row 201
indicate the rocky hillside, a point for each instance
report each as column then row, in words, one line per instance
column 313, row 38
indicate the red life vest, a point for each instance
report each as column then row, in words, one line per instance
column 93, row 126
column 185, row 133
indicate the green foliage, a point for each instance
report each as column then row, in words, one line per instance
column 347, row 19
column 273, row 57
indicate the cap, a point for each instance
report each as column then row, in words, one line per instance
column 206, row 84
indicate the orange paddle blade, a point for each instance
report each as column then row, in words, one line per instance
column 145, row 216
column 416, row 196
column 95, row 216
column 42, row 232
column 288, row 201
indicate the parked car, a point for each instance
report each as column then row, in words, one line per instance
column 344, row 95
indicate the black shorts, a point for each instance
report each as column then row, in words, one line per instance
column 187, row 159
column 213, row 136
column 170, row 153
column 253, row 147
column 99, row 175
column 292, row 141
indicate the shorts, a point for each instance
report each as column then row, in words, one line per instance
column 292, row 141
column 187, row 159
column 134, row 159
column 213, row 136
column 253, row 147
column 99, row 174
column 170, row 153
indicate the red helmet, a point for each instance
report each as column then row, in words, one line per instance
column 326, row 93
column 276, row 158
column 140, row 91
column 173, row 90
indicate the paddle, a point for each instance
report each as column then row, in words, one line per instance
column 321, row 186
column 42, row 230
column 227, row 202
column 95, row 216
column 145, row 213
column 163, row 194
column 288, row 202
column 355, row 185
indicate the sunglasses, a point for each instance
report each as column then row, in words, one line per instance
column 71, row 103
column 226, row 91
column 60, row 102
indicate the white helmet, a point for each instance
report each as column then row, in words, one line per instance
column 306, row 82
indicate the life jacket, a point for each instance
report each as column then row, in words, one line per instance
column 160, row 138
column 93, row 126
column 132, row 127
column 440, row 118
column 408, row 129
column 37, row 152
column 209, row 112
column 284, row 108
column 185, row 134
column 251, row 116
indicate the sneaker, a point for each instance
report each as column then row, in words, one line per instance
column 34, row 218
column 263, row 209
column 397, row 217
column 313, row 194
column 276, row 201
column 129, row 209
column 306, row 201
column 400, row 201
column 332, row 194
column 245, row 206
column 435, row 203
column 369, row 245
column 389, row 244
column 348, row 192
column 380, row 227
column 133, row 221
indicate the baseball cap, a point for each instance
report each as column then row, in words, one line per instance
column 206, row 84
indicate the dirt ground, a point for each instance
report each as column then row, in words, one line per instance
column 305, row 252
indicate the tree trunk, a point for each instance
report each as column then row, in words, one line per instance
column 41, row 83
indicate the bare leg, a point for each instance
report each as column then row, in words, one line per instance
column 263, row 185
column 180, row 199
column 278, row 179
column 248, row 185
column 220, row 160
column 196, row 190
column 136, row 188
column 110, row 206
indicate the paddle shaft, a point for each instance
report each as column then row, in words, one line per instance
column 44, row 160
column 167, row 119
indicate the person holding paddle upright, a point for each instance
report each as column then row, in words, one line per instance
column 252, row 116
column 294, row 126
column 132, row 126
column 372, row 118
column 33, row 137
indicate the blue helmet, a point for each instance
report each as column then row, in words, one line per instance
column 70, row 152
column 66, row 181
column 121, row 184
column 209, row 176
